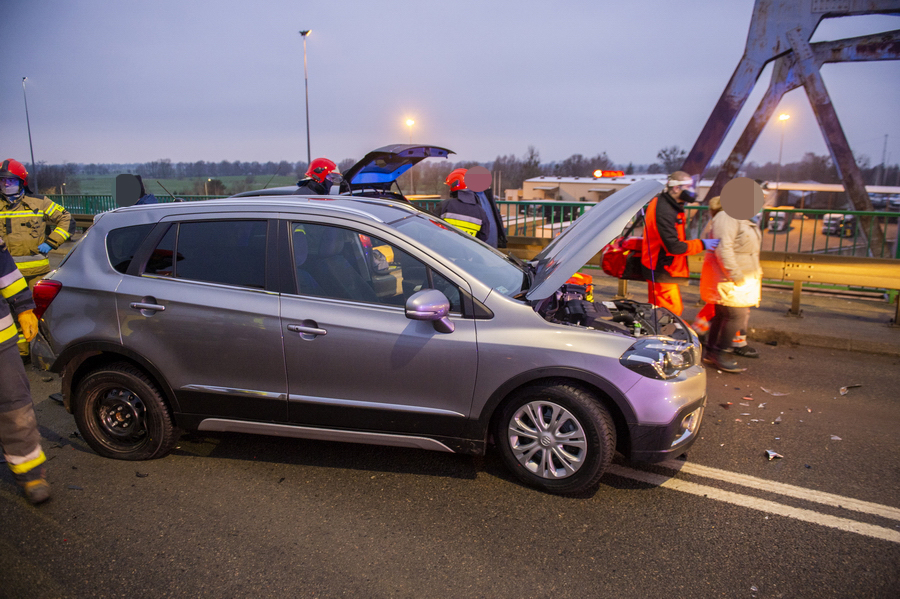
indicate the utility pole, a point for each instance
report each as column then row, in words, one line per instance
column 883, row 158
column 34, row 173
column 304, row 33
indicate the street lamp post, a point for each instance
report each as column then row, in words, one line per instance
column 783, row 118
column 410, row 123
column 304, row 33
column 206, row 186
column 34, row 179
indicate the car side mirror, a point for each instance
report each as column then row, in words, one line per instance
column 430, row 304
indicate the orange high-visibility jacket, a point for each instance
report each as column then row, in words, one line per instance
column 664, row 250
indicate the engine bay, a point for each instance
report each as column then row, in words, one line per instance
column 570, row 305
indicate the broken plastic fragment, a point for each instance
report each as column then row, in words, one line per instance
column 745, row 404
column 772, row 455
column 845, row 390
column 775, row 393
column 745, row 413
column 726, row 405
column 747, row 398
column 738, row 420
column 836, row 438
column 778, row 420
column 762, row 405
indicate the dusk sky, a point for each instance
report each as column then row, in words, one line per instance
column 122, row 81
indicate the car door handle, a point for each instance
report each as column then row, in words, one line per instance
column 298, row 328
column 151, row 307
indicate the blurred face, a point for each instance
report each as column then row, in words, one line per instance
column 10, row 185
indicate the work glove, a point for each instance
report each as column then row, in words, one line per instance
column 44, row 248
column 29, row 323
column 710, row 244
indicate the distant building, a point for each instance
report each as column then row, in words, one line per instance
column 583, row 189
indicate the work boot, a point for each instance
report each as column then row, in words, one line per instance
column 37, row 490
column 716, row 360
column 746, row 351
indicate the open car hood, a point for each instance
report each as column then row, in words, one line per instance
column 587, row 236
column 380, row 168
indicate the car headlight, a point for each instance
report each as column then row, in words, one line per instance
column 660, row 357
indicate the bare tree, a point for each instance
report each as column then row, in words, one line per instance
column 671, row 158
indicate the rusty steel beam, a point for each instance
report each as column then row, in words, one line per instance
column 882, row 46
column 766, row 41
column 808, row 70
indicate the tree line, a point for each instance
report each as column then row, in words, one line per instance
column 509, row 171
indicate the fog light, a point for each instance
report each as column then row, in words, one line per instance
column 689, row 425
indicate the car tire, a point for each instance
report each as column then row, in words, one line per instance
column 557, row 437
column 122, row 415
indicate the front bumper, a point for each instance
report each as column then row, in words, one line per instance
column 655, row 443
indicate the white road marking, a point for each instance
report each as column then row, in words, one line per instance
column 763, row 505
column 782, row 489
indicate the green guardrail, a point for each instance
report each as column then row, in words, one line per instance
column 802, row 231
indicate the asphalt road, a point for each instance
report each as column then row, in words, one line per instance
column 231, row 515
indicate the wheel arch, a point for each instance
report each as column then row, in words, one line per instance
column 610, row 396
column 77, row 361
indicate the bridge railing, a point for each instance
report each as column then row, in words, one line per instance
column 797, row 231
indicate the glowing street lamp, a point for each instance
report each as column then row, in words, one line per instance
column 783, row 118
column 410, row 123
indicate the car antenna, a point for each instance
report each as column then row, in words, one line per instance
column 174, row 199
column 272, row 177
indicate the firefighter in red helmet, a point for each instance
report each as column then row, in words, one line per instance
column 463, row 209
column 24, row 220
column 320, row 176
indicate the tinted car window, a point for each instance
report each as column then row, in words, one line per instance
column 231, row 252
column 122, row 243
column 487, row 264
column 344, row 264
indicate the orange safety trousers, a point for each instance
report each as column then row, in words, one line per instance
column 665, row 295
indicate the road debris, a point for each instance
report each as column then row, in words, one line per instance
column 846, row 390
column 726, row 405
column 745, row 404
column 46, row 379
column 772, row 455
column 777, row 420
column 762, row 405
column 75, row 488
column 141, row 474
column 774, row 393
column 836, row 438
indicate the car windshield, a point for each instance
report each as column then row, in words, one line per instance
column 478, row 259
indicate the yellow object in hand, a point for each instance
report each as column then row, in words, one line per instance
column 29, row 323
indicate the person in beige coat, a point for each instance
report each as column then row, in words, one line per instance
column 731, row 279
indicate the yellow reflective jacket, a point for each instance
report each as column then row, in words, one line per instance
column 16, row 298
column 24, row 227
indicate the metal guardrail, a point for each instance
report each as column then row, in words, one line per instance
column 842, row 258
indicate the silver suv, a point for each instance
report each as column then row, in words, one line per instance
column 367, row 321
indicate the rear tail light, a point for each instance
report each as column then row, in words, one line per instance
column 44, row 292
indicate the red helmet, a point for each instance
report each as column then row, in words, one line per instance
column 14, row 168
column 456, row 179
column 321, row 168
